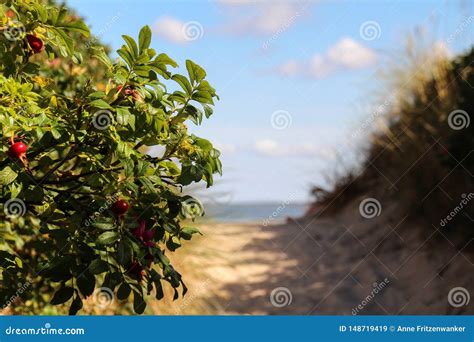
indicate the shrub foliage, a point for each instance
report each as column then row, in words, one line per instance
column 87, row 122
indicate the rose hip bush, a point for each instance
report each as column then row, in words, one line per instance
column 84, row 206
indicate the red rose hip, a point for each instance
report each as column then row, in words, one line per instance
column 120, row 207
column 35, row 43
column 17, row 150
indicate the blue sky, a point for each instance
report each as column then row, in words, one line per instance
column 295, row 78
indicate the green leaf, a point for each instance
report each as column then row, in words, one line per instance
column 123, row 115
column 150, row 188
column 196, row 73
column 76, row 305
column 203, row 97
column 123, row 149
column 163, row 258
column 183, row 82
column 107, row 238
column 124, row 253
column 124, row 291
column 101, row 104
column 104, row 225
column 125, row 54
column 163, row 58
column 139, row 305
column 128, row 167
column 159, row 289
column 101, row 55
column 86, row 283
column 77, row 26
column 65, row 42
column 187, row 232
column 7, row 175
column 173, row 243
column 98, row 266
column 62, row 295
column 77, row 58
column 144, row 38
column 132, row 46
column 15, row 189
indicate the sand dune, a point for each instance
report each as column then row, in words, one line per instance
column 345, row 264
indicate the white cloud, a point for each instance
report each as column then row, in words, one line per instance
column 290, row 68
column 261, row 17
column 346, row 54
column 268, row 147
column 319, row 67
column 177, row 31
column 242, row 17
column 350, row 54
column 272, row 148
column 225, row 149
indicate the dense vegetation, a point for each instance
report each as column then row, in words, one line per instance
column 84, row 206
column 423, row 157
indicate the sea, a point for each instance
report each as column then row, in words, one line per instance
column 261, row 213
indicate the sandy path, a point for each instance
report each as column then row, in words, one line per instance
column 326, row 266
